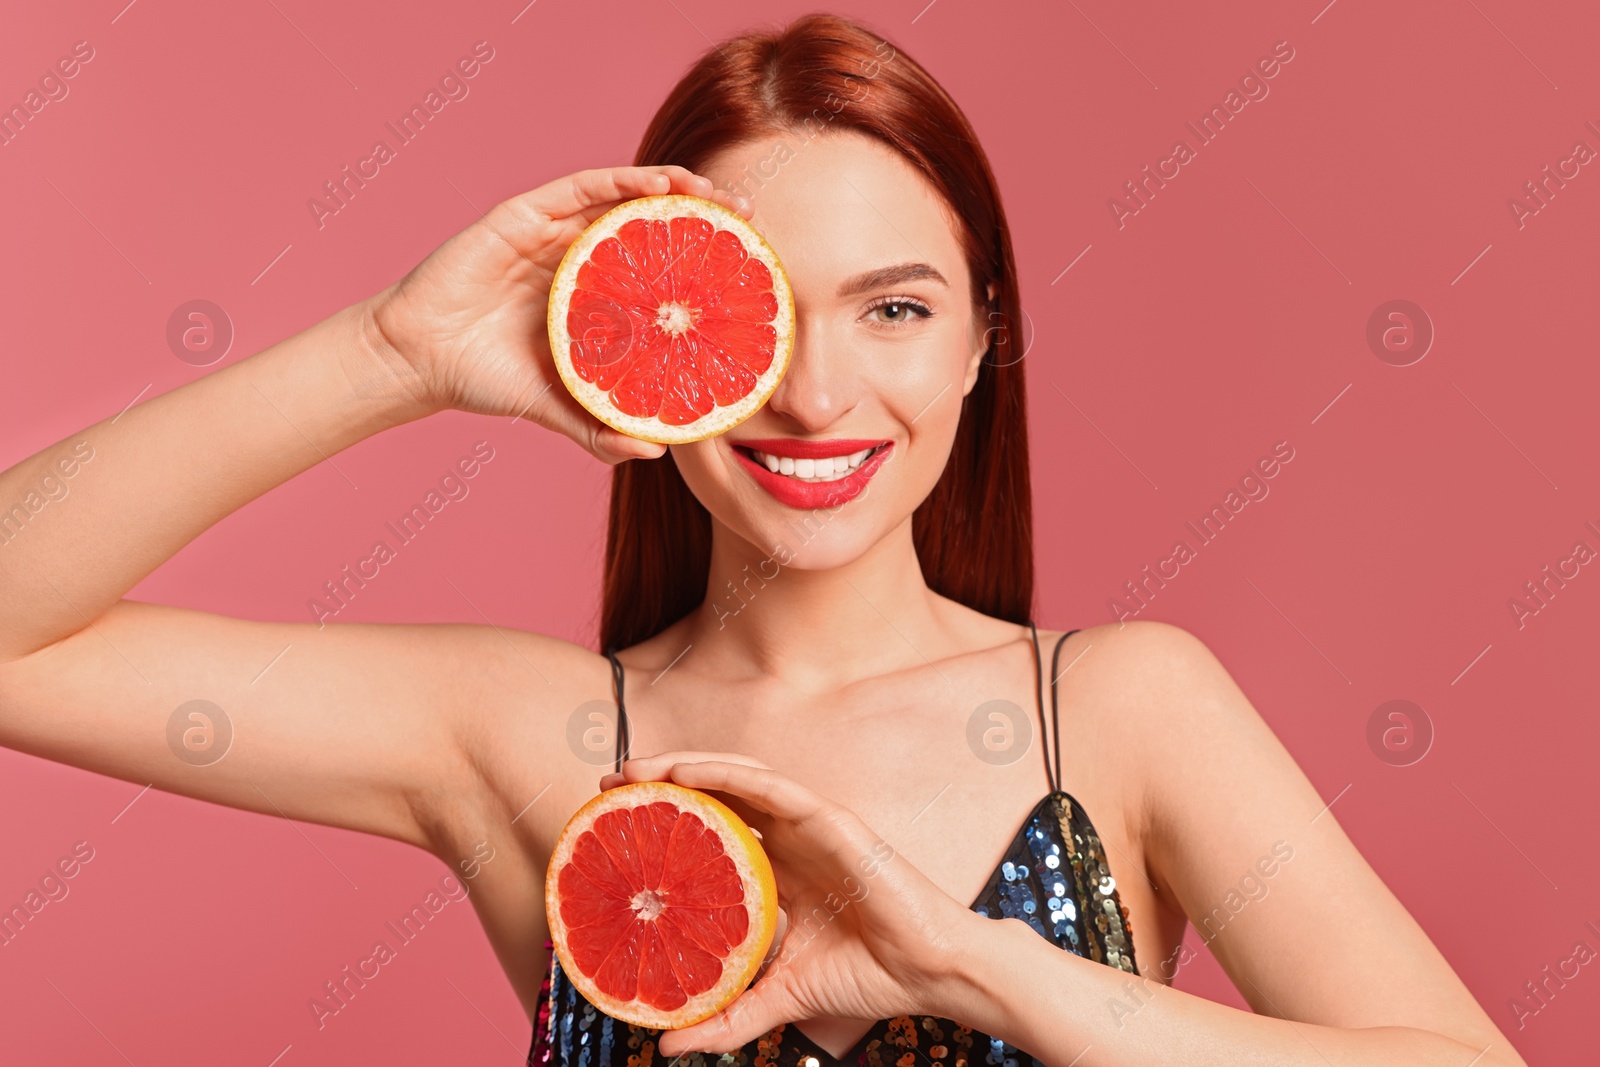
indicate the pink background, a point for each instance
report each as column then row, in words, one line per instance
column 1228, row 315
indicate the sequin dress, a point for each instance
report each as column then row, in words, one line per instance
column 1054, row 877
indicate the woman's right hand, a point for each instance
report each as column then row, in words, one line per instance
column 466, row 328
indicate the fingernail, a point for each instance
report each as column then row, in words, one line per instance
column 744, row 205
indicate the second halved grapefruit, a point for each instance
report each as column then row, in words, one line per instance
column 661, row 902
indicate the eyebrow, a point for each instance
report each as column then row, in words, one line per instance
column 884, row 277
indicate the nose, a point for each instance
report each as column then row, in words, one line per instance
column 818, row 388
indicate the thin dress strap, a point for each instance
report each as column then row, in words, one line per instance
column 1038, row 692
column 624, row 732
column 1055, row 703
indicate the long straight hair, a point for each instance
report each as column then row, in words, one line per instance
column 974, row 532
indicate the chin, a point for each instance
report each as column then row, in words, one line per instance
column 831, row 547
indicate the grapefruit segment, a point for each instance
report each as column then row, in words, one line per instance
column 727, row 378
column 661, row 903
column 750, row 344
column 686, row 398
column 671, row 318
column 603, row 333
column 724, row 259
column 690, row 237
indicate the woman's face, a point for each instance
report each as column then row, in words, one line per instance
column 887, row 342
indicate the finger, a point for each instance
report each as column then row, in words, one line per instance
column 730, row 200
column 557, row 409
column 527, row 220
column 733, row 202
column 659, row 768
column 777, row 943
column 625, row 446
column 752, row 1015
column 534, row 220
column 588, row 188
column 610, row 185
column 762, row 788
column 655, row 768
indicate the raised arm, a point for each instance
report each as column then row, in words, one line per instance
column 346, row 724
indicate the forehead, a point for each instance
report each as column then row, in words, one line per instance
column 838, row 205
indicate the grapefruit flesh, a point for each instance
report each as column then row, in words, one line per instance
column 661, row 903
column 671, row 318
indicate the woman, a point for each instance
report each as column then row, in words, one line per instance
column 838, row 673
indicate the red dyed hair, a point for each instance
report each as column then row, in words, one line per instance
column 974, row 532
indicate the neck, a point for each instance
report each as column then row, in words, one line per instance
column 819, row 627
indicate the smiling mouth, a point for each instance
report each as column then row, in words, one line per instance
column 822, row 469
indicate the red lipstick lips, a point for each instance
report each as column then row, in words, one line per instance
column 811, row 495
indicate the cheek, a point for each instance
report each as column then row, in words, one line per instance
column 932, row 431
column 904, row 375
column 924, row 402
column 922, row 387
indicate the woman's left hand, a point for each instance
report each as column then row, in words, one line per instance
column 868, row 936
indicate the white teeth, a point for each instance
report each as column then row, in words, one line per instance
column 827, row 469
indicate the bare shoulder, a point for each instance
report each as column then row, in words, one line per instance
column 1150, row 674
column 1188, row 751
column 1167, row 720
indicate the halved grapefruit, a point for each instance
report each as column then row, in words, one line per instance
column 671, row 318
column 661, row 903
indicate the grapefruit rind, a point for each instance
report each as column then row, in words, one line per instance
column 755, row 871
column 597, row 401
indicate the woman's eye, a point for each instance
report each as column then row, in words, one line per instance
column 898, row 312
